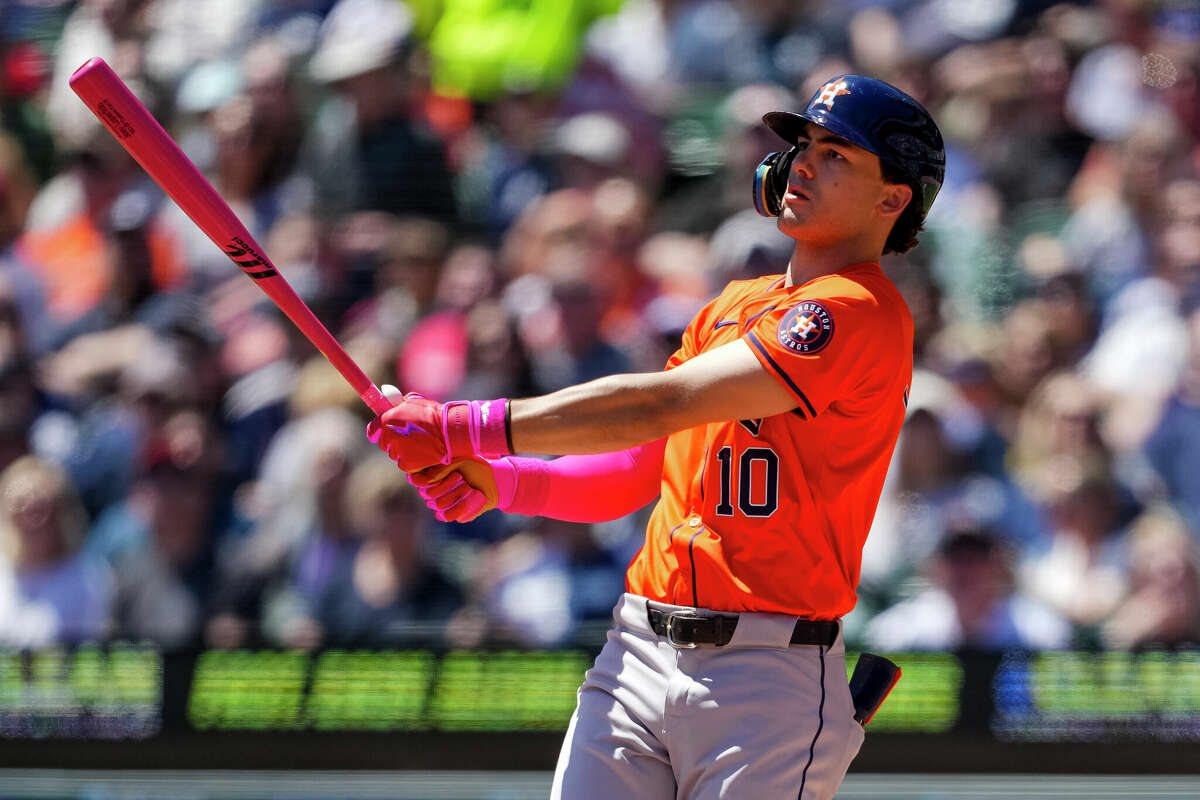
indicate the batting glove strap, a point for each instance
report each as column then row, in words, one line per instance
column 456, row 431
column 489, row 428
column 475, row 427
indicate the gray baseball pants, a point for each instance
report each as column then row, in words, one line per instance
column 758, row 718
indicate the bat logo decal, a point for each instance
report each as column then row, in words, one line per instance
column 245, row 257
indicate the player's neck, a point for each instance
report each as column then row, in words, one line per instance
column 811, row 260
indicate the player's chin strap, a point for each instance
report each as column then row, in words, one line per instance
column 771, row 180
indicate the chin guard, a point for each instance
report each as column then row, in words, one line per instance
column 770, row 182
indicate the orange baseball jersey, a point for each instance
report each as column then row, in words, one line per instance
column 771, row 514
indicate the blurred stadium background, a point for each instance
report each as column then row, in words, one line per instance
column 207, row 579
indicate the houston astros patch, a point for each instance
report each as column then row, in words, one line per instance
column 807, row 328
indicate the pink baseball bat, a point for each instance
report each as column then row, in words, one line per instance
column 140, row 134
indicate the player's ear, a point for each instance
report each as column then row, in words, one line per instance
column 896, row 197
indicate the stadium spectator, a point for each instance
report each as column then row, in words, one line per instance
column 504, row 164
column 144, row 270
column 934, row 487
column 1171, row 447
column 390, row 591
column 104, row 255
column 1059, row 429
column 257, row 135
column 1081, row 573
column 20, row 398
column 370, row 148
column 522, row 586
column 19, row 403
column 1118, row 196
column 391, row 271
column 17, row 188
column 971, row 605
column 162, row 540
column 1162, row 608
column 119, row 386
column 270, row 584
column 58, row 594
column 575, row 351
column 496, row 358
column 1025, row 356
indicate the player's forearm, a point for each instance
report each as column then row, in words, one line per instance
column 601, row 416
column 605, row 415
column 621, row 411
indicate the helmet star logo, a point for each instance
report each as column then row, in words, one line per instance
column 829, row 92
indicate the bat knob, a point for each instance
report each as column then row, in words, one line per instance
column 874, row 677
column 86, row 67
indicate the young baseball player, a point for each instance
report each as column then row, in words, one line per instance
column 765, row 440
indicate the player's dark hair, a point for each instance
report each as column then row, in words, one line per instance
column 910, row 223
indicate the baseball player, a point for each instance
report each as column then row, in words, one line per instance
column 765, row 440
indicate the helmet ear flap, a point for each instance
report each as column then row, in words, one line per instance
column 770, row 182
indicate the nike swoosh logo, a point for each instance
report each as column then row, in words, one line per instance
column 724, row 322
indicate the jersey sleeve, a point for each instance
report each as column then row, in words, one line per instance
column 820, row 349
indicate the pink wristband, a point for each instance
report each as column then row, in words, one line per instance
column 507, row 474
column 522, row 485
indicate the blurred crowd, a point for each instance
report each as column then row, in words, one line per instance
column 503, row 198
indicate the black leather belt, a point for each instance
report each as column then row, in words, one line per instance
column 685, row 629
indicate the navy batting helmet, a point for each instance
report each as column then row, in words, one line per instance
column 867, row 112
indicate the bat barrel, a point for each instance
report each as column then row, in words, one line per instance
column 133, row 126
column 107, row 96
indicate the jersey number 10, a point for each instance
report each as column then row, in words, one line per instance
column 757, row 488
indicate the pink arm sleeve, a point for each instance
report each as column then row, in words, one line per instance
column 592, row 488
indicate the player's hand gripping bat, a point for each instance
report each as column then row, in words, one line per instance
column 143, row 138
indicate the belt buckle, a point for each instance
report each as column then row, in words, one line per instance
column 671, row 640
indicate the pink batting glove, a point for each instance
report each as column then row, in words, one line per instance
column 418, row 433
column 452, row 499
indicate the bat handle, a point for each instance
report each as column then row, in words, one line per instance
column 376, row 400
